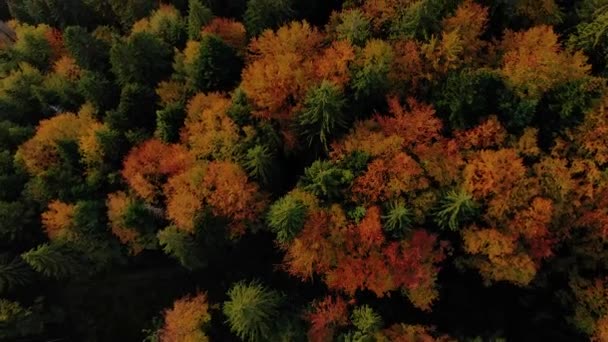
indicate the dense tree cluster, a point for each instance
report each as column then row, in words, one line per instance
column 281, row 170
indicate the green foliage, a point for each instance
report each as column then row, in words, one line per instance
column 467, row 95
column 88, row 52
column 13, row 220
column 455, row 208
column 286, row 218
column 97, row 89
column 181, row 246
column 356, row 162
column 323, row 114
column 169, row 121
column 14, row 274
column 198, row 16
column 398, row 217
column 258, row 162
column 421, row 19
column 216, row 67
column 267, row 14
column 370, row 77
column 366, row 320
column 252, row 311
column 33, row 47
column 240, row 109
column 129, row 11
column 18, row 99
column 354, row 27
column 142, row 58
column 11, row 136
column 568, row 102
column 55, row 260
column 17, row 322
column 323, row 178
column 135, row 109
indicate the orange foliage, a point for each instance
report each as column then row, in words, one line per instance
column 57, row 220
column 333, row 63
column 223, row 186
column 386, row 179
column 281, row 70
column 146, row 166
column 493, row 173
column 231, row 31
column 418, row 126
column 357, row 257
column 66, row 66
column 185, row 320
column 208, row 131
column 408, row 63
column 488, row 134
column 117, row 204
column 327, row 315
column 185, row 195
column 488, row 242
column 534, row 62
column 55, row 39
column 412, row 333
column 469, row 22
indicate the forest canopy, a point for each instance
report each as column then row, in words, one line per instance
column 281, row 170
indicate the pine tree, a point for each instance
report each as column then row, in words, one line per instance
column 182, row 247
column 398, row 217
column 215, row 67
column 169, row 121
column 259, row 163
column 323, row 114
column 89, row 52
column 14, row 273
column 286, row 218
column 55, row 260
column 253, row 311
column 198, row 16
column 266, row 14
column 455, row 208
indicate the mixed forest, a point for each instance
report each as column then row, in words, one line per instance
column 320, row 170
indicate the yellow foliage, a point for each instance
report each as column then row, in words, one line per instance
column 208, row 131
column 534, row 62
column 40, row 152
column 185, row 194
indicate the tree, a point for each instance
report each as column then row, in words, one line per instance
column 323, row 114
column 455, row 208
column 186, row 319
column 230, row 31
column 89, row 52
column 169, row 121
column 165, row 22
column 146, row 164
column 353, row 26
column 266, row 14
column 252, row 310
column 54, row 260
column 198, row 16
column 326, row 315
column 286, row 218
column 534, row 61
column 182, row 247
column 215, row 65
column 14, row 274
column 279, row 75
column 142, row 58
